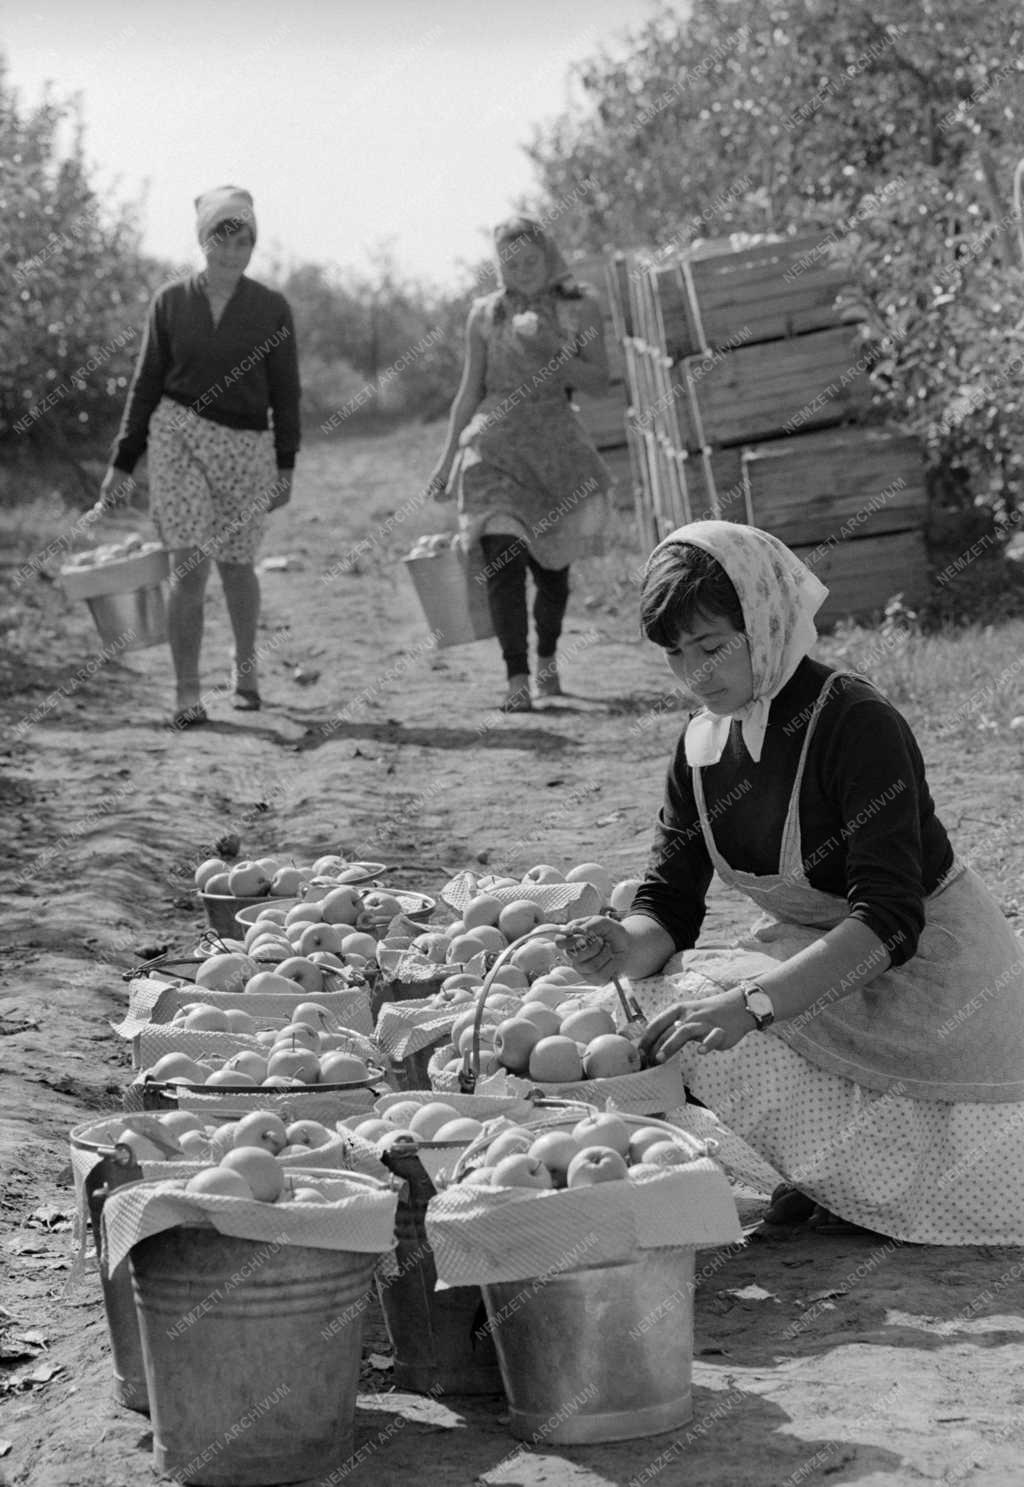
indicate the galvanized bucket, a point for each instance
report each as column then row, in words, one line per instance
column 118, row 1298
column 248, row 1385
column 440, row 1338
column 601, row 1354
column 132, row 621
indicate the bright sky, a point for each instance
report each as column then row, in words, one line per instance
column 351, row 121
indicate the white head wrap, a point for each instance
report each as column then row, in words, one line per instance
column 779, row 597
column 223, row 204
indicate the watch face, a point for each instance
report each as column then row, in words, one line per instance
column 759, row 1004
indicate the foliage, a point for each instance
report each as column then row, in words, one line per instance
column 73, row 286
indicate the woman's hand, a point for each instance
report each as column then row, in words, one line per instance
column 596, row 946
column 116, row 487
column 713, row 1022
column 281, row 491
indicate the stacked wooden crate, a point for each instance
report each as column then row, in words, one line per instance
column 745, row 393
column 605, row 417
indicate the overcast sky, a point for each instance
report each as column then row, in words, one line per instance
column 351, row 121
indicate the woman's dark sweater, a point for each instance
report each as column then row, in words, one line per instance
column 868, row 828
column 231, row 373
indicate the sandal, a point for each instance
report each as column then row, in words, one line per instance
column 517, row 698
column 246, row 700
column 188, row 717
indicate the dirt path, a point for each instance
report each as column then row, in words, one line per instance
column 841, row 1360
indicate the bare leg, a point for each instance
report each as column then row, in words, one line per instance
column 242, row 594
column 190, row 569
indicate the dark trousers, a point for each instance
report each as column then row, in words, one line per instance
column 507, row 560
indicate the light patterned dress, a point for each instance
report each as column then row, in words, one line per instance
column 526, row 466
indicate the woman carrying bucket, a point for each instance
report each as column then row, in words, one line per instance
column 872, row 1047
column 217, row 367
column 530, row 485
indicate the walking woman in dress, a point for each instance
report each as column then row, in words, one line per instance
column 867, row 1037
column 218, row 369
column 531, row 487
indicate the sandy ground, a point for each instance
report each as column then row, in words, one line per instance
column 815, row 1360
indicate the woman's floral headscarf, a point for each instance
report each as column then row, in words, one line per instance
column 779, row 597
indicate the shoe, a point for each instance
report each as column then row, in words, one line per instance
column 823, row 1221
column 789, row 1206
column 548, row 681
column 517, row 698
column 188, row 717
column 246, row 700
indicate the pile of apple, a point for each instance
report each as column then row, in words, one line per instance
column 599, row 1148
column 612, row 894
column 184, row 1135
column 289, row 1056
column 406, row 1124
column 260, row 877
column 336, row 931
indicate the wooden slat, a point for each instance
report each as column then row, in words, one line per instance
column 604, row 418
column 860, row 482
column 863, row 575
column 779, row 387
column 620, row 463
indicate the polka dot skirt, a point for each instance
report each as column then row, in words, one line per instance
column 208, row 484
column 922, row 1171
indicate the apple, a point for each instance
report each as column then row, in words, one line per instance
column 457, row 927
column 603, row 1128
column 430, row 1118
column 641, row 1140
column 535, row 958
column 319, row 937
column 464, row 947
column 667, row 1153
column 309, row 1133
column 519, row 917
column 233, row 1078
column 621, row 897
column 480, row 1177
column 228, row 972
column 249, row 1062
column 481, row 910
column 596, row 1164
column 588, row 1024
column 315, row 1016
column 287, row 881
column 432, row 946
column 543, row 872
column 555, row 1060
column 507, row 1144
column 358, row 943
column 511, row 978
column 492, row 939
column 548, row 1022
column 259, row 1169
column 263, row 1128
column 180, row 1122
column 142, row 1148
column 461, row 980
column 327, row 960
column 206, row 1020
column 306, row 1195
column 304, row 971
column 280, row 1081
column 565, row 976
column 341, row 906
column 378, row 905
column 298, row 1035
column 556, row 1149
column 206, row 870
column 398, row 1141
column 514, row 1041
column 272, row 952
column 195, row 1145
column 402, row 1111
column 343, row 1068
column 271, row 981
column 304, row 913
column 465, row 1040
column 240, row 1022
column 220, row 1181
column 248, row 880
column 327, row 865
column 373, row 1128
column 294, row 1063
column 267, row 1038
column 547, row 993
column 466, row 1019
column 226, row 944
column 176, row 1066
column 521, row 1170
column 463, row 1128
column 610, row 1054
column 592, row 872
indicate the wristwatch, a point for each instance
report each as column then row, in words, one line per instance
column 759, row 1004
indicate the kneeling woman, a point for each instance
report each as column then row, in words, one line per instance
column 876, row 1056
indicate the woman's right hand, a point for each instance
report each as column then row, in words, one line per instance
column 116, row 487
column 597, row 946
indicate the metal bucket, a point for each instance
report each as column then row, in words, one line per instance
column 604, row 1354
column 451, row 588
column 130, row 621
column 221, row 908
column 440, row 1338
column 118, row 1297
column 252, row 1355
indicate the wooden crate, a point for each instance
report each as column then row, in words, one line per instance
column 863, row 574
column 764, row 293
column 620, row 464
column 775, row 388
column 857, row 481
column 604, row 418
